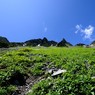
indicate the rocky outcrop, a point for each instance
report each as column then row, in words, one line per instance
column 64, row 43
column 42, row 42
column 46, row 42
column 33, row 42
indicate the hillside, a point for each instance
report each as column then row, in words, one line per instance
column 47, row 71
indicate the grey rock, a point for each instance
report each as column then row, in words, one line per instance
column 58, row 72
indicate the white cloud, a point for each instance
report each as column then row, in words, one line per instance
column 86, row 33
column 78, row 27
column 45, row 29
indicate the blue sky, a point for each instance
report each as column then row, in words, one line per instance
column 74, row 20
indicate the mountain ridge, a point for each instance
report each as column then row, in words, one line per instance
column 4, row 42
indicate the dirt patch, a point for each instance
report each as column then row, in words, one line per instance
column 18, row 79
column 24, row 89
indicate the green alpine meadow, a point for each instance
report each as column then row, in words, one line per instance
column 47, row 47
column 47, row 71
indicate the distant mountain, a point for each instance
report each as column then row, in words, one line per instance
column 4, row 43
column 53, row 43
column 80, row 44
column 41, row 42
column 46, row 42
column 33, row 42
column 15, row 44
column 93, row 43
column 64, row 43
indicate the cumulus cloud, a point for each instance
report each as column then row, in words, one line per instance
column 86, row 33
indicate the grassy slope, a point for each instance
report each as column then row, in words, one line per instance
column 79, row 63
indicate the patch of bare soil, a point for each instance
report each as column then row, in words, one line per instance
column 24, row 89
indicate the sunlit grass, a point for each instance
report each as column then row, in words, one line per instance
column 79, row 63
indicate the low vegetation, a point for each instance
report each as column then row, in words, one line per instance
column 16, row 66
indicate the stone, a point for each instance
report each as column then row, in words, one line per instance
column 58, row 72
